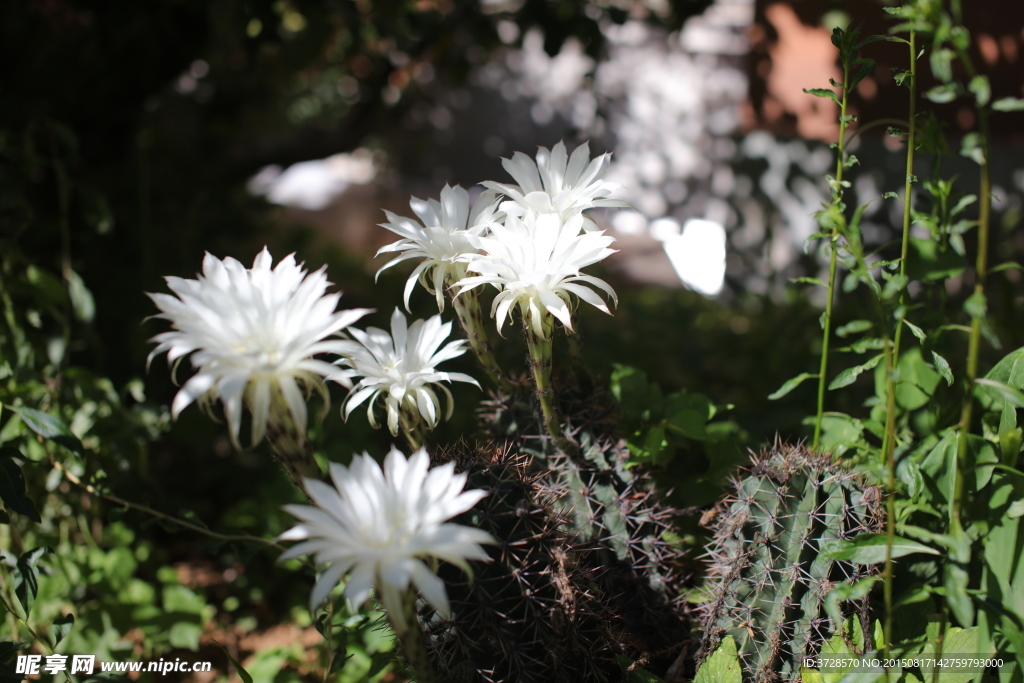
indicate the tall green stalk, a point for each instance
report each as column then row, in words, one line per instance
column 539, row 343
column 892, row 361
column 467, row 308
column 837, row 197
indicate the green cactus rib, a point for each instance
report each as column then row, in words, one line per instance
column 610, row 509
column 770, row 582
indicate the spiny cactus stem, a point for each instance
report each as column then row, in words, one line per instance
column 538, row 342
column 407, row 629
column 290, row 444
column 467, row 308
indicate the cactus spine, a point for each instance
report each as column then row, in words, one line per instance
column 770, row 582
column 534, row 613
column 609, row 509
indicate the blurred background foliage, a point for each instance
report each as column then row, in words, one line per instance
column 128, row 132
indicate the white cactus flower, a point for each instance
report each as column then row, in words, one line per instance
column 440, row 239
column 401, row 368
column 383, row 526
column 557, row 183
column 535, row 262
column 253, row 335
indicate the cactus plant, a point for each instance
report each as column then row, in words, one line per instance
column 609, row 509
column 535, row 612
column 770, row 581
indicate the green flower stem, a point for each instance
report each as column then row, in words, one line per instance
column 538, row 342
column 467, row 308
column 892, row 357
column 290, row 444
column 413, row 428
column 407, row 629
column 837, row 195
column 974, row 340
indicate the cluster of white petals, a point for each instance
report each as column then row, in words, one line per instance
column 535, row 262
column 401, row 368
column 557, row 183
column 440, row 240
column 381, row 526
column 250, row 333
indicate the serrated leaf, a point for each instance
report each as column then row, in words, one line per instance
column 918, row 332
column 807, row 281
column 827, row 93
column 12, row 486
column 871, row 548
column 790, row 385
column 723, row 666
column 895, row 132
column 942, row 365
column 853, row 327
column 48, row 427
column 850, row 375
column 26, row 577
column 891, row 195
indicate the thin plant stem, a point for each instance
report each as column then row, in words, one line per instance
column 35, row 636
column 90, row 489
column 974, row 339
column 538, row 342
column 291, row 444
column 467, row 308
column 892, row 361
column 837, row 194
column 406, row 627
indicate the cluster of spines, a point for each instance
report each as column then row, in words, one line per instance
column 770, row 580
column 535, row 612
column 612, row 510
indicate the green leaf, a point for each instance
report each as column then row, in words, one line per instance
column 981, row 89
column 853, row 327
column 82, row 301
column 807, row 281
column 941, row 94
column 26, row 577
column 827, row 93
column 790, row 385
column 1014, row 396
column 942, row 365
column 850, row 375
column 12, row 486
column 723, row 666
column 1009, row 104
column 62, row 627
column 48, row 427
column 871, row 548
column 689, row 423
column 242, row 673
column 918, row 332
